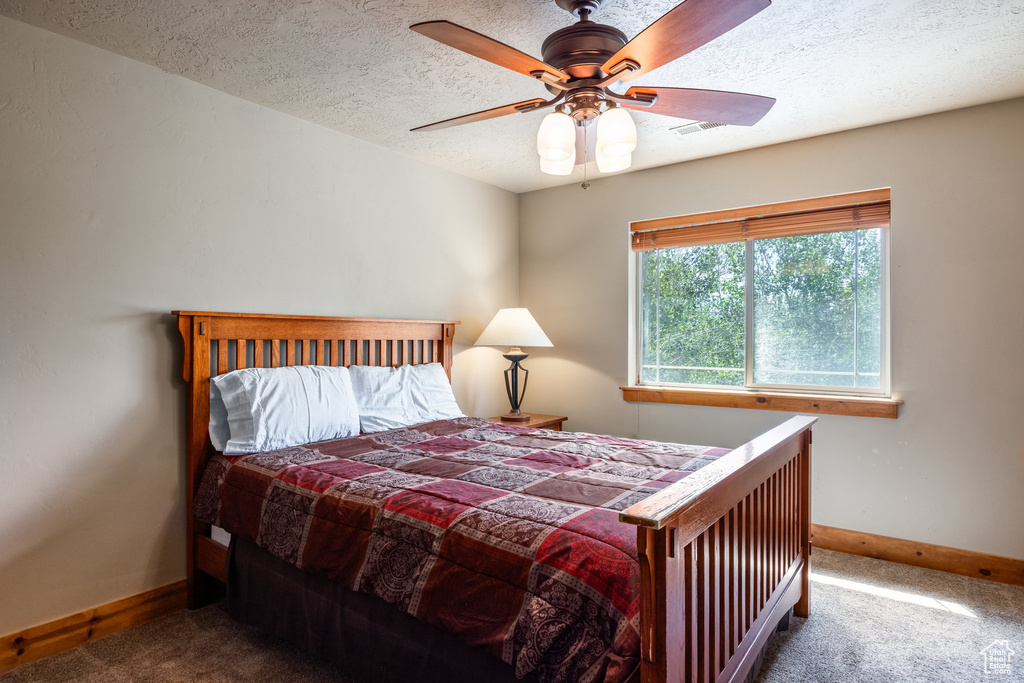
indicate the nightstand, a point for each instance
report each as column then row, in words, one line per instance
column 537, row 421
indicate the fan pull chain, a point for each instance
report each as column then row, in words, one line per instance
column 586, row 148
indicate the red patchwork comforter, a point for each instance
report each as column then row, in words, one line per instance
column 507, row 536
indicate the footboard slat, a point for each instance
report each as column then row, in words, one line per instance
column 735, row 588
column 728, row 547
column 690, row 613
column 757, row 572
column 747, row 580
column 703, row 595
column 772, row 546
column 722, row 643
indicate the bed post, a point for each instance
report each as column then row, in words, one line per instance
column 202, row 588
column 446, row 349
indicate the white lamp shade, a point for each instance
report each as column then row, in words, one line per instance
column 616, row 134
column 556, row 138
column 559, row 167
column 609, row 164
column 513, row 327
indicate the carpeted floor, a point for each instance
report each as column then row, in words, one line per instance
column 870, row 621
column 877, row 621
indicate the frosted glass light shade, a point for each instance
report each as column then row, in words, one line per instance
column 556, row 138
column 513, row 327
column 559, row 167
column 610, row 164
column 616, row 134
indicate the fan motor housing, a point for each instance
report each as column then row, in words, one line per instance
column 581, row 49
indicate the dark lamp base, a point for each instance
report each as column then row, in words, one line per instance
column 515, row 417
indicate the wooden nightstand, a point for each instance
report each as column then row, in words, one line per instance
column 537, row 421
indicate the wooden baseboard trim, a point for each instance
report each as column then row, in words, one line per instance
column 74, row 630
column 941, row 558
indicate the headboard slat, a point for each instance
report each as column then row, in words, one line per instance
column 222, row 356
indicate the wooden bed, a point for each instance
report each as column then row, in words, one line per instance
column 724, row 553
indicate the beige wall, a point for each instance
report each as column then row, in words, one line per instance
column 950, row 470
column 125, row 193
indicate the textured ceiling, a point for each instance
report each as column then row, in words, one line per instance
column 353, row 65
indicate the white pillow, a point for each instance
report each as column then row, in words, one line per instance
column 379, row 398
column 413, row 394
column 429, row 393
column 271, row 408
column 219, row 430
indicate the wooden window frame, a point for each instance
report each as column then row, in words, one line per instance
column 835, row 213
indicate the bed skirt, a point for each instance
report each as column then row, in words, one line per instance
column 366, row 636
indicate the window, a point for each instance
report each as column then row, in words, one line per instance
column 788, row 298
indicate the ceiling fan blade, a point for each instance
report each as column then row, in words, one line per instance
column 489, row 49
column 682, row 30
column 484, row 115
column 716, row 106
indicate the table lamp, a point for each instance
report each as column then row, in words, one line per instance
column 515, row 328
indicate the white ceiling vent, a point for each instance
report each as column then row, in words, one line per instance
column 695, row 127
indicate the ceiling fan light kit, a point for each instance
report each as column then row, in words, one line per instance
column 556, row 137
column 616, row 134
column 610, row 164
column 585, row 61
column 558, row 167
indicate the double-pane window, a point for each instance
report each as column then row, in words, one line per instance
column 794, row 301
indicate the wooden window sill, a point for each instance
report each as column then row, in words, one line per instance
column 791, row 403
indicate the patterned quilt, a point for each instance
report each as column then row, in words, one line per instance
column 505, row 535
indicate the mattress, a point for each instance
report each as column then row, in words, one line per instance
column 505, row 536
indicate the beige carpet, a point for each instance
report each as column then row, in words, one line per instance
column 870, row 621
column 878, row 621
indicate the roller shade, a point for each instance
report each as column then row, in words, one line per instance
column 839, row 213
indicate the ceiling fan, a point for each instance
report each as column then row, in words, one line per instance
column 583, row 62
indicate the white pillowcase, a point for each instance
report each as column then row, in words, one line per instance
column 219, row 430
column 379, row 398
column 428, row 392
column 271, row 408
column 413, row 394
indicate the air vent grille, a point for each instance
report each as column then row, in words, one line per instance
column 696, row 127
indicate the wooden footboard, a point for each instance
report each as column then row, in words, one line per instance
column 724, row 554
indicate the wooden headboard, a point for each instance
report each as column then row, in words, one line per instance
column 216, row 343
